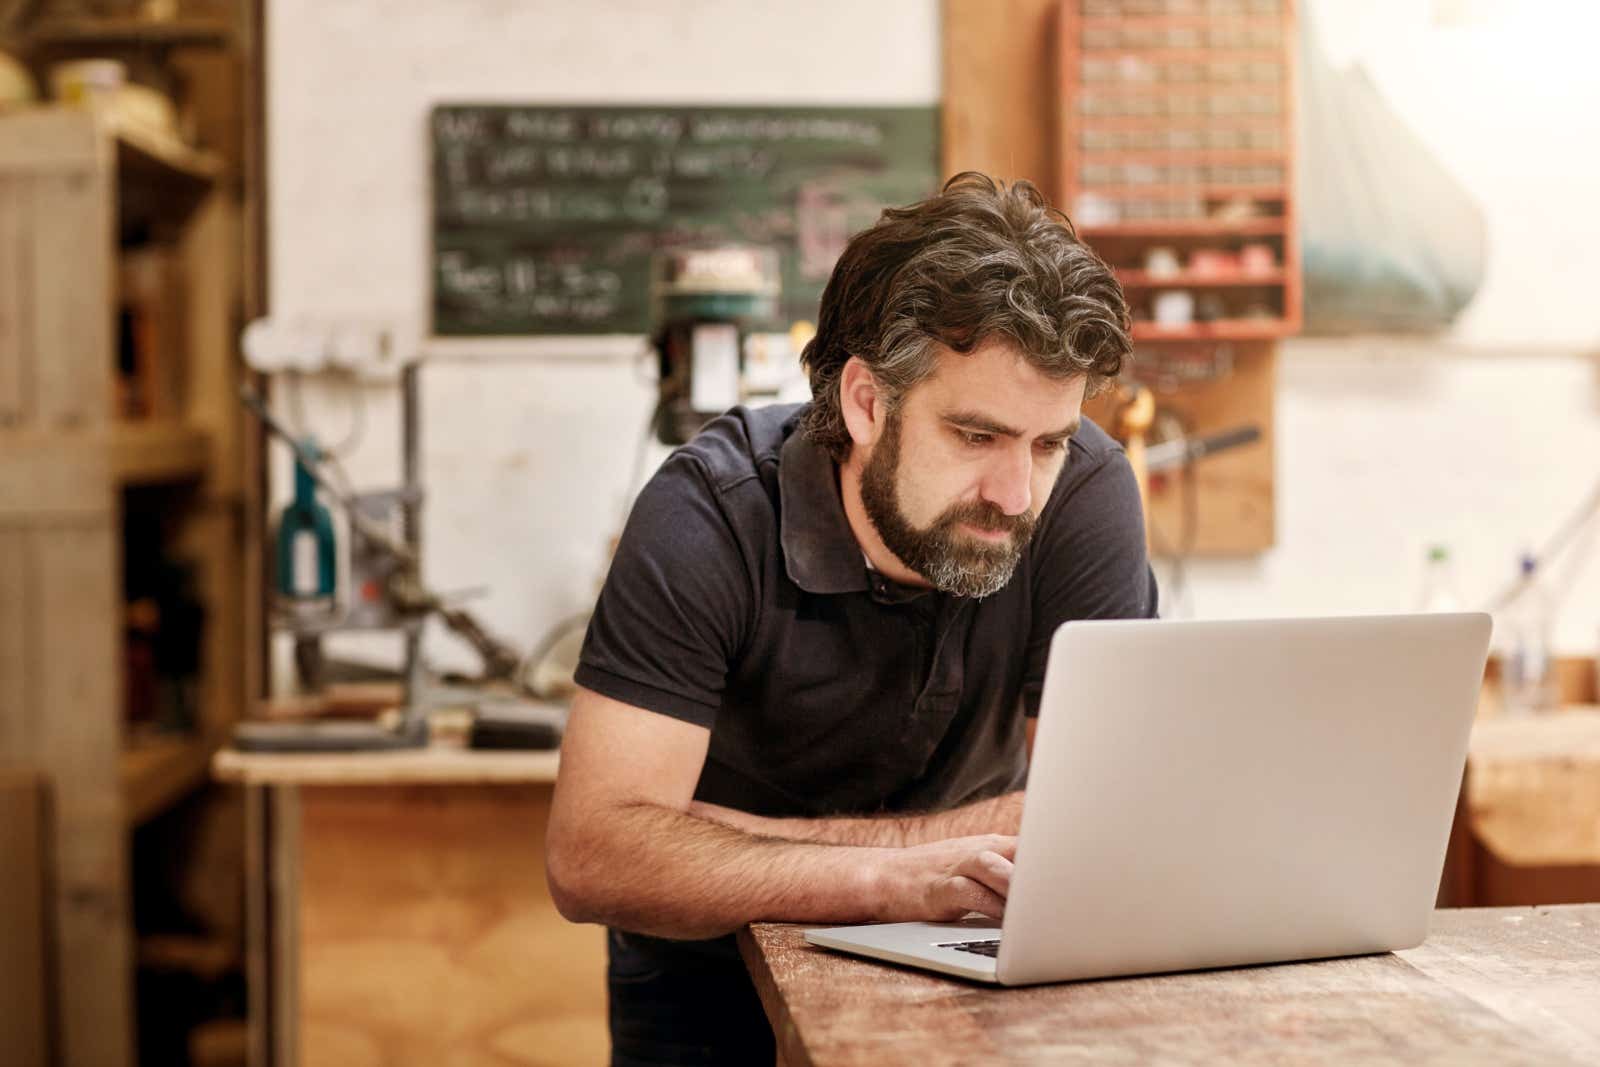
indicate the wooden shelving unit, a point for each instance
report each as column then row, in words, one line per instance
column 1177, row 135
column 74, row 192
column 1175, row 138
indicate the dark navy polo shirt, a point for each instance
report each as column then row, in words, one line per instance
column 740, row 601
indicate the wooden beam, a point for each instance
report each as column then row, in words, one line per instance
column 76, row 719
column 23, row 973
column 42, row 481
column 52, row 140
column 73, row 308
column 999, row 89
column 16, row 298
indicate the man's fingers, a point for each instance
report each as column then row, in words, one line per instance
column 1005, row 846
column 989, row 868
column 961, row 875
column 965, row 894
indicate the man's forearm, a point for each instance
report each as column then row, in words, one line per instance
column 659, row 871
column 997, row 815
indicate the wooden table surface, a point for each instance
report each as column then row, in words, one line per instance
column 1489, row 986
column 435, row 765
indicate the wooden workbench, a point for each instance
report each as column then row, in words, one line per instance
column 1489, row 986
column 399, row 913
column 1529, row 827
column 1534, row 787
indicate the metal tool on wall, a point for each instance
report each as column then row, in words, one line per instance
column 1179, row 452
column 1164, row 452
column 1135, row 416
column 382, row 586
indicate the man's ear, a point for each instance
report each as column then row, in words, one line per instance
column 861, row 400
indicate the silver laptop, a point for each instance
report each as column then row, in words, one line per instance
column 1214, row 794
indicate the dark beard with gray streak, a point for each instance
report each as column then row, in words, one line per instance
column 953, row 562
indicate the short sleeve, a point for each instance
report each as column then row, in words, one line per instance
column 1091, row 563
column 675, row 604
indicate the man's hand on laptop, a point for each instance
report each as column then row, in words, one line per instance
column 944, row 880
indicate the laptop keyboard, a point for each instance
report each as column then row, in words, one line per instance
column 977, row 948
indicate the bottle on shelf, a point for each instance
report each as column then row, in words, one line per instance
column 1438, row 583
column 1528, row 671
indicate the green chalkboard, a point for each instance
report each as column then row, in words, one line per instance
column 545, row 218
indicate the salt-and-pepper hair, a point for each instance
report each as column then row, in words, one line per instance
column 981, row 261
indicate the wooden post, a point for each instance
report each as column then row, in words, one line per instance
column 23, row 1017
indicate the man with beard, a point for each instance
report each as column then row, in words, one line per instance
column 807, row 690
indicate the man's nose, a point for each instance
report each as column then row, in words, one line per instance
column 1009, row 484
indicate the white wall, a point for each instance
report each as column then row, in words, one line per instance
column 1504, row 93
column 1383, row 447
column 526, row 457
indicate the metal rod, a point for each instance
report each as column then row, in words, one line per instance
column 1170, row 454
column 410, row 457
column 411, row 531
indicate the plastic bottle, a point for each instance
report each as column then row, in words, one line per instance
column 1439, row 583
column 1529, row 673
column 307, row 553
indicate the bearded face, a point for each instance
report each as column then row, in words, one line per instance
column 950, row 557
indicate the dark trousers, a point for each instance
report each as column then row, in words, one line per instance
column 682, row 1011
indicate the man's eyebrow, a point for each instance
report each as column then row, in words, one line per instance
column 973, row 420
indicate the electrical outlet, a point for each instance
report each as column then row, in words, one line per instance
column 368, row 347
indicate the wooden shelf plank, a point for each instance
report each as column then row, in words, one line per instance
column 157, row 450
column 1233, row 90
column 1218, row 330
column 1199, row 53
column 423, row 766
column 1139, row 279
column 1091, row 23
column 156, row 772
column 1091, row 156
column 148, row 152
column 1179, row 122
column 113, row 30
column 1183, row 228
column 1190, row 193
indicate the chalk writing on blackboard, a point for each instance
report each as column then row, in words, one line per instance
column 544, row 219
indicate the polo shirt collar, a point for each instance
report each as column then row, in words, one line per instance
column 820, row 552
